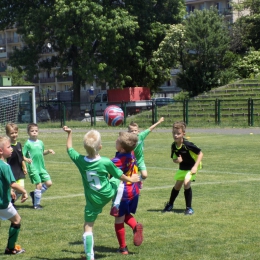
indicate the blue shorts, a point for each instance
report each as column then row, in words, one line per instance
column 128, row 206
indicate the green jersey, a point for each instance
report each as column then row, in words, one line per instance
column 95, row 176
column 34, row 150
column 138, row 151
column 6, row 179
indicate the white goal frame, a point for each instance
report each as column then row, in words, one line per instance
column 32, row 88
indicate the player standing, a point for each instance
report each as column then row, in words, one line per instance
column 189, row 157
column 35, row 150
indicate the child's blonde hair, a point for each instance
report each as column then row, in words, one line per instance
column 180, row 125
column 92, row 142
column 128, row 141
column 3, row 140
column 9, row 127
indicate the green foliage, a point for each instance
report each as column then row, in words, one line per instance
column 181, row 96
column 113, row 41
column 248, row 66
column 18, row 78
column 202, row 57
column 249, row 23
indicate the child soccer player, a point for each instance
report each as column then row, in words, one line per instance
column 189, row 157
column 7, row 210
column 125, row 160
column 34, row 149
column 138, row 152
column 99, row 189
column 16, row 160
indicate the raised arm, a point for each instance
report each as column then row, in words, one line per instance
column 69, row 139
column 158, row 122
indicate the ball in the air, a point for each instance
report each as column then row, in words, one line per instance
column 113, row 115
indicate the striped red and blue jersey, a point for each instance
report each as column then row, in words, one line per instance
column 127, row 163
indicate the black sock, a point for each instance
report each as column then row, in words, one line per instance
column 188, row 197
column 174, row 195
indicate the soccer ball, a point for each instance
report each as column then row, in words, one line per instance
column 113, row 115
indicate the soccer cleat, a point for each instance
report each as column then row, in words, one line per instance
column 138, row 234
column 168, row 207
column 123, row 250
column 32, row 196
column 37, row 207
column 114, row 211
column 188, row 211
column 17, row 250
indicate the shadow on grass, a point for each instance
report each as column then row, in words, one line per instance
column 99, row 255
column 177, row 211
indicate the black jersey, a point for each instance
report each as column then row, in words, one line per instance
column 15, row 161
column 189, row 153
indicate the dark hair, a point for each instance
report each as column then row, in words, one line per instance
column 29, row 126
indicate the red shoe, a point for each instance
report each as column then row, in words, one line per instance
column 138, row 234
column 123, row 250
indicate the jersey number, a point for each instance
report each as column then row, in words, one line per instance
column 93, row 180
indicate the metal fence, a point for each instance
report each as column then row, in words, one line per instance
column 196, row 113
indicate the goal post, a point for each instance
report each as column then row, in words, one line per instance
column 17, row 104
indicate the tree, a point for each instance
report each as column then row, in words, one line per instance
column 202, row 58
column 18, row 78
column 249, row 65
column 249, row 23
column 111, row 40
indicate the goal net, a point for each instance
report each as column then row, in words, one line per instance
column 17, row 105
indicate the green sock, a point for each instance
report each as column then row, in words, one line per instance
column 88, row 245
column 13, row 235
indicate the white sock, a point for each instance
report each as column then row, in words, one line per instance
column 119, row 194
column 88, row 242
column 37, row 197
column 44, row 188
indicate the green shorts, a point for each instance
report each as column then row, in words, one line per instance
column 180, row 175
column 93, row 208
column 39, row 177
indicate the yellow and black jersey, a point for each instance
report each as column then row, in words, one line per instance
column 189, row 153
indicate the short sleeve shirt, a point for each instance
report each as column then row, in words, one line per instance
column 6, row 179
column 95, row 176
column 15, row 161
column 34, row 150
column 189, row 153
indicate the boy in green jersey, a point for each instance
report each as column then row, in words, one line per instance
column 98, row 188
column 138, row 151
column 139, row 155
column 7, row 210
column 34, row 150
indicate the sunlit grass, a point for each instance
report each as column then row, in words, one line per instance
column 225, row 201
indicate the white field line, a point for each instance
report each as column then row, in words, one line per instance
column 162, row 187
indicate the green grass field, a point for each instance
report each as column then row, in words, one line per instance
column 225, row 201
